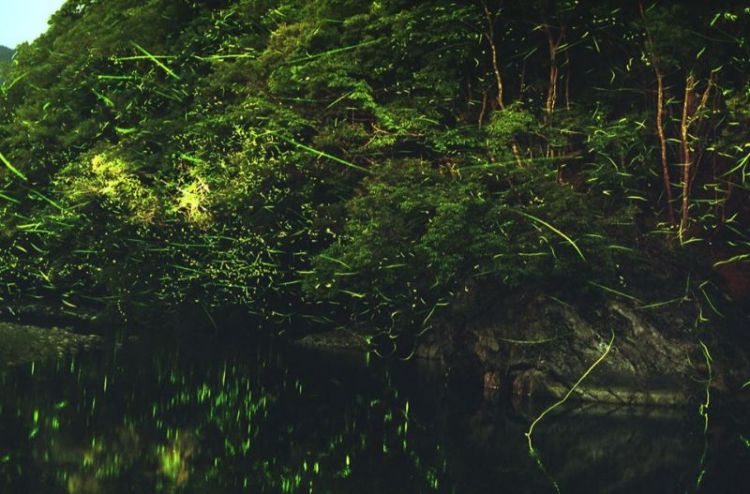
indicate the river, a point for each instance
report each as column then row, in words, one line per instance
column 250, row 417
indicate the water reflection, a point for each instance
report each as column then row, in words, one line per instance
column 139, row 420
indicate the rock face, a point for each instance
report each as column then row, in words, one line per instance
column 539, row 346
column 22, row 343
column 334, row 340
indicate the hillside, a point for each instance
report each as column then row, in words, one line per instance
column 5, row 53
column 376, row 164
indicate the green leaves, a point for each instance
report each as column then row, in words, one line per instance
column 557, row 231
column 322, row 154
column 12, row 168
column 351, row 158
column 155, row 60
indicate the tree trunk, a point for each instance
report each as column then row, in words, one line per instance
column 689, row 116
column 685, row 152
column 567, row 80
column 553, row 44
column 653, row 58
column 663, row 142
column 490, row 37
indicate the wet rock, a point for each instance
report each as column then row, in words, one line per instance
column 491, row 385
column 540, row 346
column 23, row 343
column 334, row 340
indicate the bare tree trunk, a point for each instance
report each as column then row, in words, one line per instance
column 689, row 116
column 663, row 143
column 685, row 152
column 490, row 37
column 484, row 108
column 567, row 80
column 660, row 121
column 553, row 45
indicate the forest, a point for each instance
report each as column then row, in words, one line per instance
column 346, row 162
column 406, row 173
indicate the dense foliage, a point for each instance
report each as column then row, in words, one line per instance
column 374, row 163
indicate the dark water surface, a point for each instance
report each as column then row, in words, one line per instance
column 255, row 418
